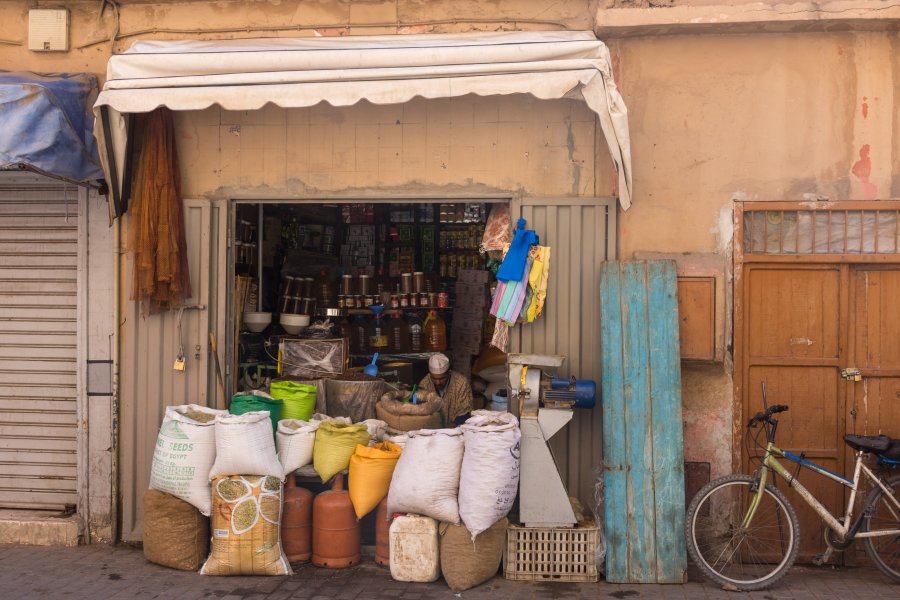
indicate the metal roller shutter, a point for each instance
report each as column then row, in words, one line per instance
column 38, row 307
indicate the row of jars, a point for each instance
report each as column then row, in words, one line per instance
column 452, row 263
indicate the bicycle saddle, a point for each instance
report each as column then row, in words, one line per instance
column 876, row 444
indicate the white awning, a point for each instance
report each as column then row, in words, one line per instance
column 300, row 72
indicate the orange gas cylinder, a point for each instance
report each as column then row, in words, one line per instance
column 335, row 530
column 296, row 520
column 382, row 534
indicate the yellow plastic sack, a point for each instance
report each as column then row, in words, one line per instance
column 246, row 522
column 371, row 469
column 335, row 443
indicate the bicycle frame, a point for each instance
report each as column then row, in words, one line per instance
column 846, row 531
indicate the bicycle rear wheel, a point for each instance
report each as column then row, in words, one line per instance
column 882, row 514
column 749, row 558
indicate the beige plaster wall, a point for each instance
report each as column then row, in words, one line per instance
column 511, row 145
column 769, row 117
column 757, row 117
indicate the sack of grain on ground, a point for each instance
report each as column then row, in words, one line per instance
column 294, row 443
column 246, row 527
column 335, row 444
column 426, row 478
column 176, row 535
column 371, row 469
column 185, row 451
column 467, row 562
column 489, row 478
column 244, row 444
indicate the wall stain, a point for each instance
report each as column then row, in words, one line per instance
column 863, row 170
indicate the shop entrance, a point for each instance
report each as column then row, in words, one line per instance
column 300, row 266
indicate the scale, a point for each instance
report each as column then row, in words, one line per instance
column 545, row 404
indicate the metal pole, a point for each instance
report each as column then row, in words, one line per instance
column 259, row 258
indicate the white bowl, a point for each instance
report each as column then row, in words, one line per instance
column 294, row 323
column 257, row 321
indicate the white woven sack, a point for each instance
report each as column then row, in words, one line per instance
column 244, row 446
column 294, row 442
column 426, row 478
column 489, row 478
column 322, row 417
column 185, row 451
column 376, row 429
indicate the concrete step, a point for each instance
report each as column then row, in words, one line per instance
column 39, row 528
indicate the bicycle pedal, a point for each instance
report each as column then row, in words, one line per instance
column 821, row 559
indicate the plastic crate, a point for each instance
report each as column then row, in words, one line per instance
column 551, row 554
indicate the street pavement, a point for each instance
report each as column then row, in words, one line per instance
column 99, row 572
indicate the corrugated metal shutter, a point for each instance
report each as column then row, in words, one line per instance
column 581, row 233
column 148, row 383
column 38, row 307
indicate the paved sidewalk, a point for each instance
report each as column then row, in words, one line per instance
column 100, row 572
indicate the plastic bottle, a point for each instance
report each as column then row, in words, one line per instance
column 378, row 337
column 435, row 331
column 416, row 335
column 398, row 335
column 360, row 337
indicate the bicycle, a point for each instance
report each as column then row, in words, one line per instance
column 742, row 531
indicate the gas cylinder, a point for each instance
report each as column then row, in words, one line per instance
column 335, row 530
column 296, row 534
column 382, row 534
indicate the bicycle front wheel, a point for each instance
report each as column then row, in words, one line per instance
column 749, row 558
column 882, row 514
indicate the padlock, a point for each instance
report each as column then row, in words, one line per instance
column 179, row 363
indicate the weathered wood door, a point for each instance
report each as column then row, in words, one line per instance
column 873, row 405
column 793, row 343
column 643, row 449
column 816, row 292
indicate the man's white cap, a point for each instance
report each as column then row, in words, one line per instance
column 438, row 364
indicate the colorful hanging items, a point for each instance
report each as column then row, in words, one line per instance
column 513, row 267
column 520, row 300
column 497, row 231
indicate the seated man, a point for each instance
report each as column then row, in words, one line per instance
column 453, row 388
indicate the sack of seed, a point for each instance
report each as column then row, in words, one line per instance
column 185, row 451
column 246, row 527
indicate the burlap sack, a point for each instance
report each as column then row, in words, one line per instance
column 176, row 535
column 246, row 527
column 465, row 563
column 405, row 416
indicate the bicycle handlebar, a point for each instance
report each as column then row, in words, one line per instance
column 766, row 416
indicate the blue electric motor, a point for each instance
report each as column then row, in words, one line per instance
column 574, row 393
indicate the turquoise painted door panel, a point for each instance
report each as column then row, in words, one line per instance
column 643, row 448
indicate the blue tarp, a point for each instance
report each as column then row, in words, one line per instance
column 46, row 124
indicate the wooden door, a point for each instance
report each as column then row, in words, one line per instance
column 873, row 406
column 795, row 327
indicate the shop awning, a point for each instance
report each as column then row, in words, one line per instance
column 300, row 72
column 47, row 124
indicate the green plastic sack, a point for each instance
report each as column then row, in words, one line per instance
column 335, row 444
column 299, row 399
column 244, row 403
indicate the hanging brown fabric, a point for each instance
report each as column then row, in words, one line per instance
column 157, row 237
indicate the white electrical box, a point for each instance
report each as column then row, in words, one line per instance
column 48, row 30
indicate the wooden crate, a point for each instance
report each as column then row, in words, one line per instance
column 551, row 554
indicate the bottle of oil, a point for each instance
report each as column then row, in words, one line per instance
column 398, row 335
column 416, row 335
column 435, row 331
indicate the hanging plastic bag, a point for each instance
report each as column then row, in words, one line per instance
column 513, row 267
